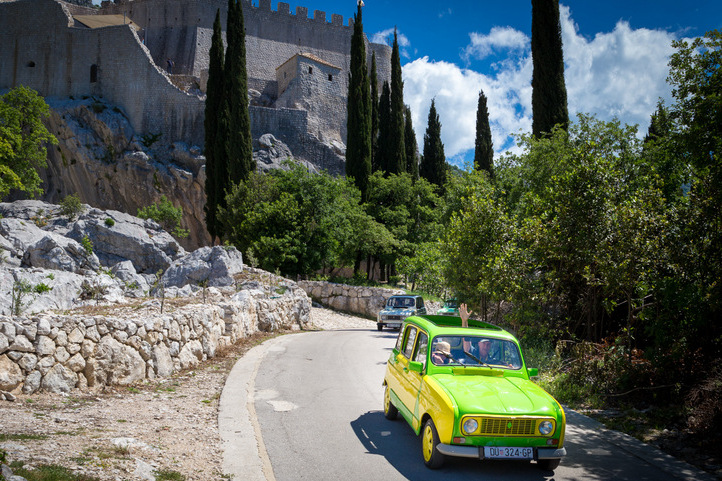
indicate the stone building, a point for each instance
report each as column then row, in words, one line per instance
column 56, row 48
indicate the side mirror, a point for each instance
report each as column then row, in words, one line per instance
column 416, row 366
column 532, row 371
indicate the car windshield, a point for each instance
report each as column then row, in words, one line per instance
column 397, row 302
column 475, row 351
column 451, row 303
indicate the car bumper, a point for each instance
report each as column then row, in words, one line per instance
column 478, row 452
column 391, row 324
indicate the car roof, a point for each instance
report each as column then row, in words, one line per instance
column 451, row 325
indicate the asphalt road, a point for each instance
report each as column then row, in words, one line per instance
column 308, row 406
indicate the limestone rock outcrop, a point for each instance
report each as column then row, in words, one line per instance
column 142, row 324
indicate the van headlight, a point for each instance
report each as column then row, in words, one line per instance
column 546, row 428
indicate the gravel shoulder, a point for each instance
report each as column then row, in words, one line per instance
column 165, row 425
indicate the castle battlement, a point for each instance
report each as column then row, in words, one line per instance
column 301, row 12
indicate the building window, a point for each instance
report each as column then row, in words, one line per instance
column 330, row 78
column 310, row 69
column 93, row 73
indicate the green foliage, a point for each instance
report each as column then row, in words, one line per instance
column 165, row 214
column 168, row 475
column 71, row 206
column 359, row 122
column 549, row 93
column 433, row 161
column 149, row 139
column 51, row 472
column 295, row 221
column 87, row 245
column 109, row 222
column 396, row 160
column 23, row 138
column 215, row 160
column 412, row 157
column 381, row 155
column 20, row 290
column 235, row 133
column 483, row 146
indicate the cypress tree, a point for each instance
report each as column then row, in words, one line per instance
column 374, row 114
column 412, row 163
column 549, row 93
column 358, row 149
column 240, row 144
column 484, row 147
column 383, row 150
column 215, row 162
column 433, row 162
column 397, row 154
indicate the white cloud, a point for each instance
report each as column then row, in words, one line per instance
column 500, row 38
column 616, row 74
column 386, row 37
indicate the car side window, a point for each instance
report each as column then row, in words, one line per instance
column 421, row 348
column 419, row 302
column 409, row 342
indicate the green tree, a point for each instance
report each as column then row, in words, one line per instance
column 237, row 134
column 23, row 138
column 480, row 249
column 216, row 168
column 408, row 209
column 374, row 81
column 358, row 149
column 382, row 153
column 397, row 149
column 695, row 77
column 295, row 221
column 412, row 156
column 433, row 161
column 549, row 92
column 484, row 147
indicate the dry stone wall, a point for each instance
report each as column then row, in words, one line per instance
column 59, row 353
column 363, row 301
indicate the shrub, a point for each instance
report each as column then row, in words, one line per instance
column 87, row 245
column 166, row 215
column 71, row 206
column 109, row 222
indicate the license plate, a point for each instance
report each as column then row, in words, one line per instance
column 494, row 452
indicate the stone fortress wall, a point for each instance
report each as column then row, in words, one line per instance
column 52, row 53
column 42, row 48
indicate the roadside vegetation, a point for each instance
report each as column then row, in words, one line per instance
column 598, row 248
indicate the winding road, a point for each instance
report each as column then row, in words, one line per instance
column 307, row 406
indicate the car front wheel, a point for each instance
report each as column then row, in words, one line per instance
column 433, row 459
column 390, row 410
column 379, row 326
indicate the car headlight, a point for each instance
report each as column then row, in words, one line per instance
column 546, row 428
column 470, row 426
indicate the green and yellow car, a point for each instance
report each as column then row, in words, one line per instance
column 468, row 392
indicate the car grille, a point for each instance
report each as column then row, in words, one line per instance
column 394, row 318
column 507, row 426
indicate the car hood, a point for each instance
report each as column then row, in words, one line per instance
column 497, row 395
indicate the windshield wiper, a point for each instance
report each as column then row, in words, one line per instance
column 476, row 359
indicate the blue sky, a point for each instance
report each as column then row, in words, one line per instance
column 615, row 53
